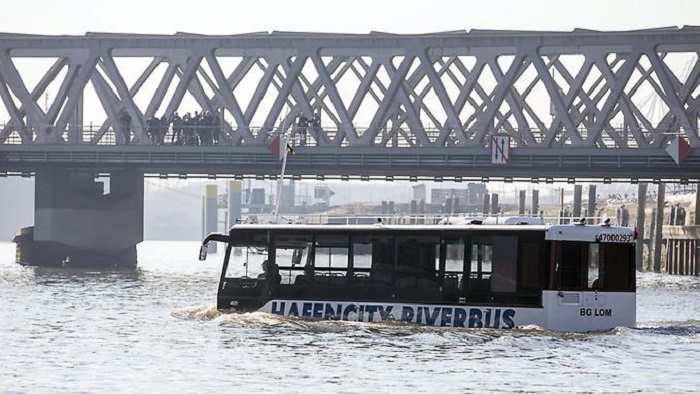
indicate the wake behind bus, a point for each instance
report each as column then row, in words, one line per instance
column 572, row 277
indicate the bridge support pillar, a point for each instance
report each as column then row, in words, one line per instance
column 494, row 203
column 521, row 202
column 84, row 222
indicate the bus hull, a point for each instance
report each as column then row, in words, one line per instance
column 561, row 311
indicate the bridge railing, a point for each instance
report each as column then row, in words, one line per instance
column 325, row 136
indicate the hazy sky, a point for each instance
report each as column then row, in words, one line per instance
column 357, row 16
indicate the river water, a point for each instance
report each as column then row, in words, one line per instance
column 157, row 330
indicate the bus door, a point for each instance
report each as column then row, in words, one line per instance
column 451, row 265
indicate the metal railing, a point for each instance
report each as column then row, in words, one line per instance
column 324, row 136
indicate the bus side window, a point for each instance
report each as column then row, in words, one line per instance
column 504, row 264
column 383, row 254
column 595, row 267
column 478, row 278
column 530, row 272
column 454, row 268
column 617, row 266
column 570, row 263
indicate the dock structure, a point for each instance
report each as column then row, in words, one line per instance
column 682, row 246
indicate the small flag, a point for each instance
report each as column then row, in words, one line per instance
column 290, row 150
column 277, row 147
column 678, row 149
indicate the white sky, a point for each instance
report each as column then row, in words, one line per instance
column 357, row 16
column 76, row 17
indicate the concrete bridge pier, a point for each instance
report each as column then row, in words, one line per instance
column 80, row 221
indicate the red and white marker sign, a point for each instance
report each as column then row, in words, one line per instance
column 678, row 149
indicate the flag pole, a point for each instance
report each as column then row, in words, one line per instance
column 280, row 181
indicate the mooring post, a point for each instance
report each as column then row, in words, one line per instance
column 578, row 189
column 235, row 202
column 696, row 221
column 641, row 210
column 652, row 237
column 660, row 200
column 535, row 202
column 592, row 204
column 211, row 213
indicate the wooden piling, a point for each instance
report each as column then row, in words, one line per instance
column 641, row 209
column 660, row 200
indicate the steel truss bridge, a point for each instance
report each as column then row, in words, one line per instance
column 575, row 104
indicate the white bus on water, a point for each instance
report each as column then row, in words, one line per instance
column 573, row 277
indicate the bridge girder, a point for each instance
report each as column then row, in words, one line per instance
column 581, row 89
column 536, row 164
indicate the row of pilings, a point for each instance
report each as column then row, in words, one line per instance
column 668, row 234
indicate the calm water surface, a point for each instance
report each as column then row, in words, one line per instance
column 157, row 330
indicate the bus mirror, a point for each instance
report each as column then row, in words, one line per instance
column 203, row 252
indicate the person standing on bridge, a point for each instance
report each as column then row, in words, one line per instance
column 163, row 127
column 125, row 125
column 177, row 130
column 316, row 124
column 302, row 126
column 216, row 128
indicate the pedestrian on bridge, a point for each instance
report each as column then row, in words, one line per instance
column 125, row 125
column 302, row 128
column 177, row 130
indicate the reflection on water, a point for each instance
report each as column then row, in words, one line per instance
column 157, row 329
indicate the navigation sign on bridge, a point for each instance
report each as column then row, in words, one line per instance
column 500, row 149
column 678, row 149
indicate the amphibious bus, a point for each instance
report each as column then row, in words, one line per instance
column 574, row 277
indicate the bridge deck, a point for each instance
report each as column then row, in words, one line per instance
column 448, row 163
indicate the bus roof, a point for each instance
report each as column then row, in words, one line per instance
column 568, row 232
